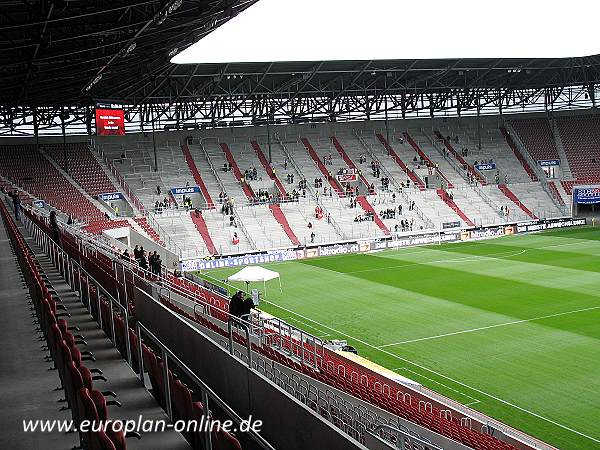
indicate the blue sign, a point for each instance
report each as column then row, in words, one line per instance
column 185, row 190
column 39, row 203
column 549, row 162
column 235, row 261
column 111, row 196
column 587, row 195
column 490, row 166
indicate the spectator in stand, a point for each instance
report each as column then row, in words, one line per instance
column 143, row 262
column 224, row 167
column 136, row 253
column 312, row 237
column 246, row 309
column 70, row 220
column 16, row 204
column 151, row 257
column 156, row 264
column 54, row 230
column 236, row 305
column 125, row 255
column 158, row 189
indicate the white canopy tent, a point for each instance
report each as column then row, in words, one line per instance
column 254, row 274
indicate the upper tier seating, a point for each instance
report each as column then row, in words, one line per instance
column 581, row 140
column 82, row 166
column 29, row 169
column 537, row 137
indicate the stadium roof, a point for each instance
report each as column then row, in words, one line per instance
column 52, row 50
column 62, row 52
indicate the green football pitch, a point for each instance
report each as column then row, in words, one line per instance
column 510, row 326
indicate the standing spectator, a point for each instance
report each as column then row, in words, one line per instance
column 236, row 305
column 143, row 262
column 54, row 230
column 312, row 237
column 16, row 204
column 156, row 264
column 151, row 257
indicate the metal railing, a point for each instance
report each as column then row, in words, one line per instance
column 255, row 326
column 403, row 438
column 82, row 281
column 207, row 395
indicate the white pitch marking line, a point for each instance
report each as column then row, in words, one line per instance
column 472, row 403
column 393, row 355
column 514, row 322
column 454, row 260
column 437, row 382
column 307, row 325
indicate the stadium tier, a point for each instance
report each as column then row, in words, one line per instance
column 353, row 398
column 227, row 192
column 428, row 175
column 271, row 225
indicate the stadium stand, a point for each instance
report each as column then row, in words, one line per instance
column 257, row 225
column 79, row 162
column 27, row 168
column 417, row 208
column 537, row 136
column 321, row 365
column 581, row 140
column 59, row 312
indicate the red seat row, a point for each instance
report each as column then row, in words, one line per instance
column 77, row 380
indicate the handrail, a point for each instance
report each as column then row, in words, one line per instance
column 207, row 392
column 460, row 408
column 63, row 261
column 210, row 164
column 457, row 168
column 403, row 436
column 300, row 388
column 488, row 200
column 44, row 240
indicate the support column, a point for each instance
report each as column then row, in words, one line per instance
column 153, row 138
column 269, row 115
column 64, row 134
